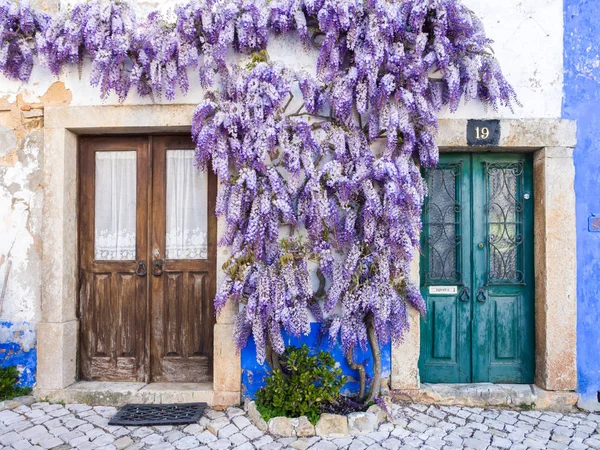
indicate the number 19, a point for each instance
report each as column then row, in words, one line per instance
column 482, row 133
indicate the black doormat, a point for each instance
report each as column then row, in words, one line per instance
column 175, row 414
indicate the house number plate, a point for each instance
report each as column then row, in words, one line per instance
column 443, row 290
column 483, row 133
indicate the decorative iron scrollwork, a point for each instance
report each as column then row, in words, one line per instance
column 504, row 217
column 442, row 225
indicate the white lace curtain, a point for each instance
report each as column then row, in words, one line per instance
column 186, row 207
column 115, row 206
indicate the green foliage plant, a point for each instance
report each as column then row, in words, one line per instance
column 9, row 376
column 303, row 384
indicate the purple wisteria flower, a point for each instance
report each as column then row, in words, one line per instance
column 20, row 26
column 353, row 212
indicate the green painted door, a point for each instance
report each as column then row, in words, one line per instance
column 477, row 270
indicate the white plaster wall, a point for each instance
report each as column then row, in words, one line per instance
column 528, row 37
column 528, row 42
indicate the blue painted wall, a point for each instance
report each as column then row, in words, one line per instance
column 254, row 374
column 582, row 103
column 18, row 348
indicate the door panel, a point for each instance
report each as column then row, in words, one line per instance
column 503, row 279
column 445, row 345
column 113, row 236
column 184, row 245
column 485, row 332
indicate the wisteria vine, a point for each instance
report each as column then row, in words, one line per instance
column 318, row 172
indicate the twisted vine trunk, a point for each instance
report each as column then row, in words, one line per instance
column 273, row 359
column 360, row 368
column 376, row 353
column 362, row 374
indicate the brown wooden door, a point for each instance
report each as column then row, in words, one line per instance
column 147, row 260
column 184, row 251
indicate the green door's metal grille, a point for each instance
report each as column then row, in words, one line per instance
column 442, row 225
column 504, row 223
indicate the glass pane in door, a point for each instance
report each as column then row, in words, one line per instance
column 186, row 207
column 115, row 206
column 442, row 225
column 504, row 222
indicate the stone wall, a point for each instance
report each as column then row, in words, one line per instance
column 524, row 30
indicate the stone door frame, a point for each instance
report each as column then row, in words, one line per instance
column 58, row 334
column 552, row 142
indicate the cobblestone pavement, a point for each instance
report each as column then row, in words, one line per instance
column 45, row 425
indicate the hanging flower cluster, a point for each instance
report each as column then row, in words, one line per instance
column 380, row 55
column 353, row 212
column 19, row 28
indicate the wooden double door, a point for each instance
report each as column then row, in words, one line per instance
column 477, row 270
column 147, row 243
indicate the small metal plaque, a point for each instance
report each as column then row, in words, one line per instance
column 443, row 290
column 594, row 224
column 483, row 132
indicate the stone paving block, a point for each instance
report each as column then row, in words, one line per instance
column 173, row 435
column 306, row 442
column 232, row 412
column 161, row 446
column 386, row 426
column 475, row 444
column 391, row 444
column 417, row 426
column 21, row 445
column 592, row 442
column 435, row 442
column 123, row 442
column 10, row 437
column 186, row 443
column 241, row 422
column 206, row 437
column 501, row 442
column 530, row 443
column 238, row 439
column 227, row 431
column 264, row 440
column 103, row 439
column 50, row 442
column 251, row 432
column 212, row 414
column 378, row 436
column 78, row 440
column 457, row 420
column 21, row 425
column 193, row 428
column 59, row 412
column 324, row 445
column 58, row 431
column 246, row 446
column 215, row 425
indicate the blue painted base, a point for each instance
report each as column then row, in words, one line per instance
column 19, row 350
column 254, row 374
